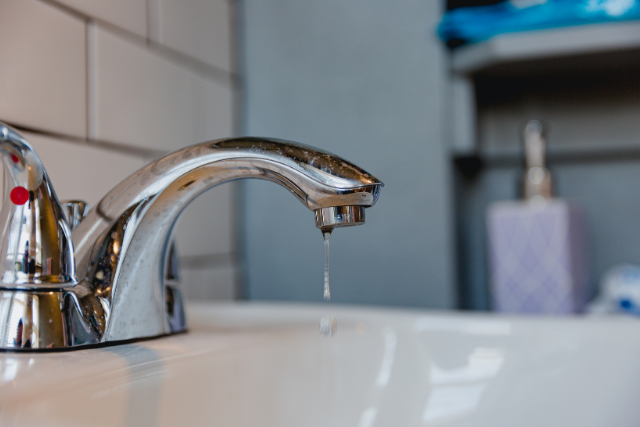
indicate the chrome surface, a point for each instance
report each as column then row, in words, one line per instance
column 129, row 287
column 339, row 216
column 36, row 250
column 75, row 210
column 537, row 183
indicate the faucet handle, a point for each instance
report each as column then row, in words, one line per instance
column 36, row 250
column 75, row 211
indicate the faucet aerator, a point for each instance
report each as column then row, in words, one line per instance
column 339, row 216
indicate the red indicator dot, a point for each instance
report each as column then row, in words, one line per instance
column 14, row 158
column 19, row 195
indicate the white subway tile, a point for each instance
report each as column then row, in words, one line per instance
column 43, row 74
column 82, row 171
column 213, row 117
column 130, row 15
column 198, row 28
column 206, row 225
column 209, row 283
column 145, row 100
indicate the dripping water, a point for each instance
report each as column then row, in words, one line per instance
column 327, row 290
column 328, row 324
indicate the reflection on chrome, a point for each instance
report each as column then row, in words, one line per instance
column 472, row 326
column 36, row 248
column 390, row 342
column 457, row 391
column 368, row 417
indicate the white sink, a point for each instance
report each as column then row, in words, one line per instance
column 256, row 364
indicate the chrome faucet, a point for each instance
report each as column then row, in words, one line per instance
column 114, row 287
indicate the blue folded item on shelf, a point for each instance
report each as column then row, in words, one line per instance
column 473, row 24
column 619, row 291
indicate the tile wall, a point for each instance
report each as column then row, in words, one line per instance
column 102, row 87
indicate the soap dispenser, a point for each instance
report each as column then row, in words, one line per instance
column 537, row 245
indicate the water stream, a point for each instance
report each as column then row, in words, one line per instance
column 328, row 324
column 327, row 290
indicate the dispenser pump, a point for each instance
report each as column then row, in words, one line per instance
column 537, row 183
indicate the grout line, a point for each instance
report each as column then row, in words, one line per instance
column 182, row 60
column 153, row 20
column 145, row 153
column 237, row 63
column 208, row 71
column 147, row 9
column 87, row 78
column 241, row 290
column 238, row 103
column 66, row 9
column 92, row 105
column 81, row 15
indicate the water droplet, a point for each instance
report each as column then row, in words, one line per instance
column 328, row 326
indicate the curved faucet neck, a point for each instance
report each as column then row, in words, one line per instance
column 122, row 245
column 124, row 241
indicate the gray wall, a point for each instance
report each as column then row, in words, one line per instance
column 363, row 79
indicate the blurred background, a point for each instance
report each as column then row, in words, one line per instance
column 102, row 87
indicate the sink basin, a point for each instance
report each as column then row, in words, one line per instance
column 257, row 364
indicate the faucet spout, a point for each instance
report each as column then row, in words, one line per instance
column 116, row 288
column 122, row 245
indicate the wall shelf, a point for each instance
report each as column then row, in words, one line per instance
column 595, row 46
column 583, row 81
